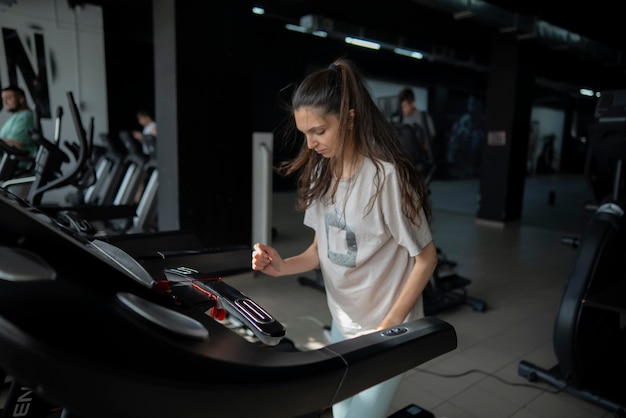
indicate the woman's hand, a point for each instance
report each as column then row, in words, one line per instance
column 267, row 260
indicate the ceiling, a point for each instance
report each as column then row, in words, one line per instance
column 574, row 46
column 599, row 21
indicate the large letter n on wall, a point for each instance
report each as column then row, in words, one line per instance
column 36, row 82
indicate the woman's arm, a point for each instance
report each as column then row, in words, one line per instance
column 425, row 263
column 267, row 260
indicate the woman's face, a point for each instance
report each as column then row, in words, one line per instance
column 319, row 130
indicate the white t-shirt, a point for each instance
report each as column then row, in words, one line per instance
column 147, row 130
column 366, row 257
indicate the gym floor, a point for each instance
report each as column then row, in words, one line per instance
column 519, row 270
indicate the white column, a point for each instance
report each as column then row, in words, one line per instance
column 262, row 146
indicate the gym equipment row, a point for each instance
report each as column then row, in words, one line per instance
column 115, row 187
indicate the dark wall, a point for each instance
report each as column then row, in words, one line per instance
column 252, row 62
column 215, row 119
column 281, row 57
column 129, row 55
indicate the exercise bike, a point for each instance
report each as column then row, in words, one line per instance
column 589, row 336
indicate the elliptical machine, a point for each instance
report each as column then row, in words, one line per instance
column 57, row 166
column 10, row 159
column 589, row 337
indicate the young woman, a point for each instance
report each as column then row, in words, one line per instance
column 369, row 209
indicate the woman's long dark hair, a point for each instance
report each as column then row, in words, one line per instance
column 337, row 90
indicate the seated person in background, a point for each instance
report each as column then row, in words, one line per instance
column 149, row 128
column 15, row 131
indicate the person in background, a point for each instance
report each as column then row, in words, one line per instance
column 416, row 132
column 15, row 131
column 369, row 209
column 410, row 114
column 149, row 128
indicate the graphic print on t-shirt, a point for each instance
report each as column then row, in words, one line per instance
column 340, row 239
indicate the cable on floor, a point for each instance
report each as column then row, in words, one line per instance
column 528, row 385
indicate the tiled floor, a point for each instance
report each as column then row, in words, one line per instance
column 518, row 270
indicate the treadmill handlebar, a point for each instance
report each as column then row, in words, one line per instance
column 227, row 298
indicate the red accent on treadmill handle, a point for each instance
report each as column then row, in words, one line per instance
column 217, row 313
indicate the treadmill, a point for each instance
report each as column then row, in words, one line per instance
column 93, row 332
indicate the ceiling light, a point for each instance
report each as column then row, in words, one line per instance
column 524, row 36
column 508, row 29
column 296, row 28
column 409, row 53
column 463, row 14
column 362, row 42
